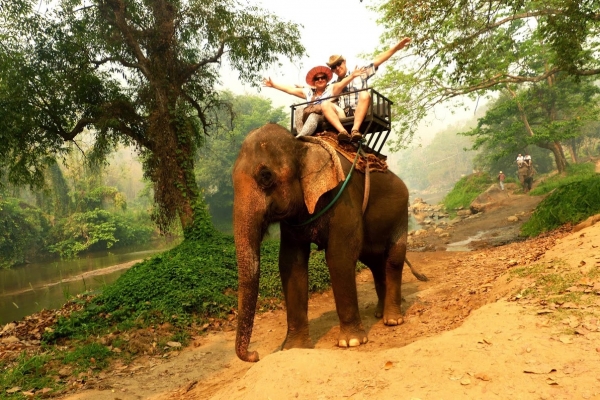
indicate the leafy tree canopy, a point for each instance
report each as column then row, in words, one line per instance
column 134, row 72
column 471, row 46
column 538, row 115
column 217, row 156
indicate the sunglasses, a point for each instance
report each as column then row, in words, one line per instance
column 320, row 78
column 337, row 64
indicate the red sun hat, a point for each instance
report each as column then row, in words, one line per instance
column 321, row 69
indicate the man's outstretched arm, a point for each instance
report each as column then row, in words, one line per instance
column 383, row 57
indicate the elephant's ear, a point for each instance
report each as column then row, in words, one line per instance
column 321, row 171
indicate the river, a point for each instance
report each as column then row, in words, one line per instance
column 30, row 288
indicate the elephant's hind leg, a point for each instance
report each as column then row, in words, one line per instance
column 392, row 308
column 377, row 267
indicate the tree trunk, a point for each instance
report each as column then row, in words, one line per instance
column 171, row 164
column 573, row 150
column 559, row 155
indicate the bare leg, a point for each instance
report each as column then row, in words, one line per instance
column 331, row 114
column 364, row 100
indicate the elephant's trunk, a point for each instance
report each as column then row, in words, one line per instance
column 248, row 235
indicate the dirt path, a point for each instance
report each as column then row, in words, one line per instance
column 467, row 335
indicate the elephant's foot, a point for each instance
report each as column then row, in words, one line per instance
column 352, row 337
column 392, row 315
column 295, row 340
column 379, row 310
column 393, row 321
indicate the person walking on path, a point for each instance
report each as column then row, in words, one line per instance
column 355, row 102
column 501, row 178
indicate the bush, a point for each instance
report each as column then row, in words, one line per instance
column 96, row 229
column 574, row 173
column 22, row 231
column 466, row 190
column 572, row 203
column 191, row 282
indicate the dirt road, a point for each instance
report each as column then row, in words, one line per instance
column 473, row 331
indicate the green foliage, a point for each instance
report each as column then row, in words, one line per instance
column 27, row 372
column 194, row 281
column 522, row 42
column 217, row 155
column 570, row 203
column 22, row 232
column 98, row 67
column 89, row 230
column 88, row 355
column 574, row 173
column 556, row 112
column 490, row 161
column 466, row 190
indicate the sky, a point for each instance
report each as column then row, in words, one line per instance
column 345, row 27
column 323, row 23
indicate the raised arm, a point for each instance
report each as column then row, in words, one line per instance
column 383, row 57
column 290, row 89
column 337, row 87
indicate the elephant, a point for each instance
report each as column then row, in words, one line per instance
column 280, row 178
column 526, row 173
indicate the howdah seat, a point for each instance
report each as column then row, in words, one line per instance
column 375, row 128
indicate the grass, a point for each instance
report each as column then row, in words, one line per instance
column 466, row 190
column 568, row 203
column 29, row 373
column 550, row 283
column 32, row 373
column 574, row 173
column 189, row 283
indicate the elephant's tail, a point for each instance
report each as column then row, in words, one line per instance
column 415, row 272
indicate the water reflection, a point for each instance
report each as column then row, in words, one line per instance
column 30, row 288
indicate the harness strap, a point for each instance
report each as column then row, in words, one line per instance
column 337, row 196
column 367, row 182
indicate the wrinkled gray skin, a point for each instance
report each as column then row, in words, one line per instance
column 278, row 178
column 526, row 177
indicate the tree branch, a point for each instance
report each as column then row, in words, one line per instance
column 118, row 8
column 200, row 111
column 120, row 60
column 216, row 57
column 521, row 111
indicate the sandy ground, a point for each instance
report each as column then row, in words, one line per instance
column 469, row 333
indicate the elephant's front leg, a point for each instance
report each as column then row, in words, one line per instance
column 293, row 268
column 341, row 260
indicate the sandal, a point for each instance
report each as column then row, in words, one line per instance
column 343, row 137
column 356, row 136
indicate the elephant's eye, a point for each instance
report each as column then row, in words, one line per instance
column 265, row 178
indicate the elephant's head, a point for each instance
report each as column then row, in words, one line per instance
column 275, row 177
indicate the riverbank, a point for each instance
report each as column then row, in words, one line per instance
column 30, row 288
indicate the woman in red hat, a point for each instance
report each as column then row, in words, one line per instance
column 318, row 89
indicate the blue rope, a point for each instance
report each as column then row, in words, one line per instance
column 337, row 196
